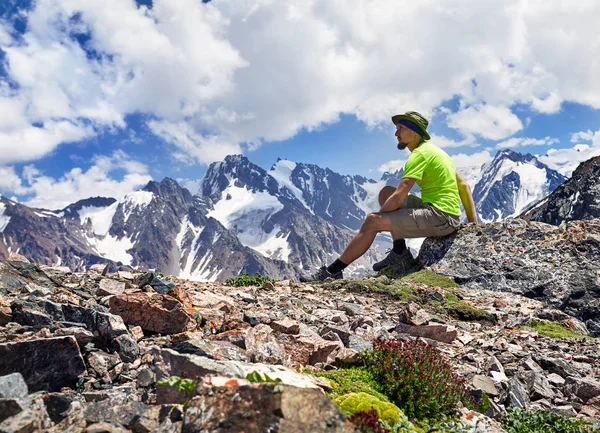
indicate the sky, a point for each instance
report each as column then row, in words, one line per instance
column 98, row 97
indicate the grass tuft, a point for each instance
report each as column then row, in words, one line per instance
column 554, row 330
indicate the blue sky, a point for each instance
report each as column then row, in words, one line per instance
column 97, row 97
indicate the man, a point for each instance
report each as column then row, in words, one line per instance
column 436, row 213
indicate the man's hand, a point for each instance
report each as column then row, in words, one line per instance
column 397, row 199
column 466, row 197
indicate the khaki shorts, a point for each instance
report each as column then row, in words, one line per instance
column 421, row 220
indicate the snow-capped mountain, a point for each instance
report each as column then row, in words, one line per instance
column 576, row 199
column 510, row 183
column 297, row 213
column 243, row 218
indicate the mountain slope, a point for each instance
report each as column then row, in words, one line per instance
column 576, row 199
column 510, row 183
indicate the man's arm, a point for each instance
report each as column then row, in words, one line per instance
column 464, row 191
column 396, row 200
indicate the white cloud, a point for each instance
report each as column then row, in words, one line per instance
column 392, row 166
column 522, row 141
column 567, row 160
column 248, row 71
column 471, row 160
column 10, row 181
column 77, row 184
column 487, row 121
column 445, row 142
column 202, row 149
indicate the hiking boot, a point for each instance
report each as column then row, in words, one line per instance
column 321, row 275
column 404, row 260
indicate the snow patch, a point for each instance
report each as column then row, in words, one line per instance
column 246, row 213
column 100, row 217
column 136, row 200
column 112, row 248
column 4, row 220
column 282, row 173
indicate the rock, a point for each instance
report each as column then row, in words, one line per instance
column 59, row 405
column 485, row 384
column 557, row 366
column 254, row 318
column 33, row 419
column 286, row 326
column 161, row 286
column 556, row 265
column 137, row 332
column 126, row 347
column 24, row 314
column 46, row 364
column 146, row 377
column 359, row 344
column 555, row 379
column 98, row 269
column 267, row 407
column 584, row 388
column 13, row 386
column 102, row 362
column 262, row 346
column 156, row 313
column 105, row 427
column 434, row 332
column 517, row 394
column 215, row 350
column 108, row 286
column 82, row 335
column 411, row 314
column 13, row 395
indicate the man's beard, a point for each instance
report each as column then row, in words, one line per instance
column 402, row 145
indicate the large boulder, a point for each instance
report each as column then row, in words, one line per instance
column 157, row 313
column 558, row 265
column 47, row 364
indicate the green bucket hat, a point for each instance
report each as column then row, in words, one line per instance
column 416, row 118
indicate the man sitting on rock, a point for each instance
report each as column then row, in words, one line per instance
column 436, row 213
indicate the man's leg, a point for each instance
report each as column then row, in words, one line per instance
column 373, row 224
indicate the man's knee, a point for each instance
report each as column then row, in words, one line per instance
column 372, row 222
column 385, row 193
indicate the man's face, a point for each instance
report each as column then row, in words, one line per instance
column 404, row 136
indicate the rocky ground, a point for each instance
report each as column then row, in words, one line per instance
column 84, row 352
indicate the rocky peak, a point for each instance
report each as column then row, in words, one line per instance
column 241, row 171
column 512, row 182
column 576, row 199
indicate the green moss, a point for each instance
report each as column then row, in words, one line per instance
column 554, row 330
column 361, row 401
column 458, row 309
column 429, row 278
column 351, row 380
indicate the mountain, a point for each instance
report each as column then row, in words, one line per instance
column 510, row 183
column 576, row 199
column 160, row 227
column 299, row 213
column 244, row 218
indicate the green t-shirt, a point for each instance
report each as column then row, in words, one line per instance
column 435, row 174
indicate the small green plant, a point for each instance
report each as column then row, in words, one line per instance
column 256, row 377
column 429, row 278
column 388, row 413
column 554, row 330
column 184, row 385
column 348, row 380
column 520, row 421
column 160, row 275
column 244, row 280
column 417, row 379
